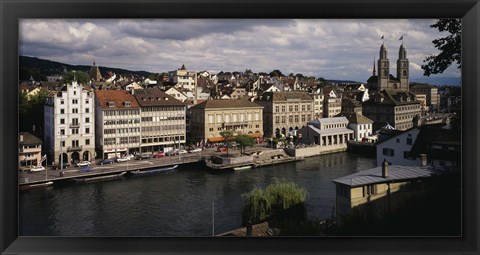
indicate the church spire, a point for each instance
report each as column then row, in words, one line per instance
column 373, row 73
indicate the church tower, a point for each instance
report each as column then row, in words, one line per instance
column 402, row 68
column 383, row 69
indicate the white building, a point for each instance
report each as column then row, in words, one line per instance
column 69, row 124
column 327, row 132
column 396, row 149
column 361, row 125
column 117, row 123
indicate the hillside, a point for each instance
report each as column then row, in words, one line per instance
column 40, row 68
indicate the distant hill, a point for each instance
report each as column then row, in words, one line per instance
column 452, row 81
column 40, row 68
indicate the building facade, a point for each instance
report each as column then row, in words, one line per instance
column 430, row 92
column 398, row 108
column 69, row 124
column 396, row 149
column 211, row 117
column 163, row 120
column 285, row 112
column 117, row 123
column 378, row 190
column 29, row 150
column 328, row 132
column 361, row 125
column 332, row 103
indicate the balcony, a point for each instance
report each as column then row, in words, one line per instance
column 74, row 125
column 74, row 148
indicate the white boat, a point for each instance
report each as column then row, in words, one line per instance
column 35, row 186
column 239, row 168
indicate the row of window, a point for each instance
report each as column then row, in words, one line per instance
column 332, row 126
column 163, row 108
column 227, row 118
column 111, row 131
column 147, row 140
column 74, row 110
column 163, row 128
column 121, row 140
column 74, row 121
column 292, row 108
column 292, row 118
column 75, row 143
column 121, row 122
column 121, row 112
column 162, row 118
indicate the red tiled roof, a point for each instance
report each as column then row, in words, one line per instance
column 116, row 96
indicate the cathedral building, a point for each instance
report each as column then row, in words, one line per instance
column 383, row 79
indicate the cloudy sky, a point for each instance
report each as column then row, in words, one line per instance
column 333, row 49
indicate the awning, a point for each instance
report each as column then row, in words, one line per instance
column 256, row 135
column 215, row 139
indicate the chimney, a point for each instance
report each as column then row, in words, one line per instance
column 423, row 159
column 385, row 169
column 21, row 138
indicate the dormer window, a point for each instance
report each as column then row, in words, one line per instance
column 111, row 104
column 127, row 103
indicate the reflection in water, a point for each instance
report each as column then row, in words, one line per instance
column 179, row 204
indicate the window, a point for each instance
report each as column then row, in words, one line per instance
column 388, row 152
column 369, row 190
column 290, row 108
column 87, row 110
column 75, row 131
column 74, row 110
column 62, row 101
column 74, row 101
column 398, row 140
column 62, row 111
column 87, row 141
column 277, row 108
column 87, row 130
column 62, row 121
column 87, row 120
column 62, row 131
column 409, row 141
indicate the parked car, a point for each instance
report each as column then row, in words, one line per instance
column 83, row 163
column 144, row 156
column 105, row 162
column 221, row 148
column 159, row 154
column 172, row 152
column 122, row 159
column 182, row 151
column 195, row 150
column 37, row 169
column 129, row 156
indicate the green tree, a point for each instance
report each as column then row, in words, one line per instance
column 31, row 112
column 80, row 76
column 450, row 47
column 244, row 141
column 276, row 73
column 277, row 197
column 227, row 136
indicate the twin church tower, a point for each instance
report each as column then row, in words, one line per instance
column 383, row 79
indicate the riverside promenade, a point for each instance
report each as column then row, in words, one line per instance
column 54, row 175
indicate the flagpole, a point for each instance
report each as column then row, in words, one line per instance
column 46, row 164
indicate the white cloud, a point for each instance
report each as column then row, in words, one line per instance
column 340, row 49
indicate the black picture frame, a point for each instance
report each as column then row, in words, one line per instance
column 11, row 11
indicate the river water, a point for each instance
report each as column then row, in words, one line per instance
column 175, row 204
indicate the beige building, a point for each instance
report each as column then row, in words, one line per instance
column 378, row 190
column 327, row 132
column 211, row 117
column 29, row 150
column 400, row 109
column 285, row 112
column 117, row 123
column 431, row 93
column 332, row 103
column 163, row 120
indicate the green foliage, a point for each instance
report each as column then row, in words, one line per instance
column 450, row 47
column 227, row 137
column 26, row 73
column 276, row 73
column 81, row 77
column 277, row 197
column 31, row 112
column 244, row 141
column 256, row 207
